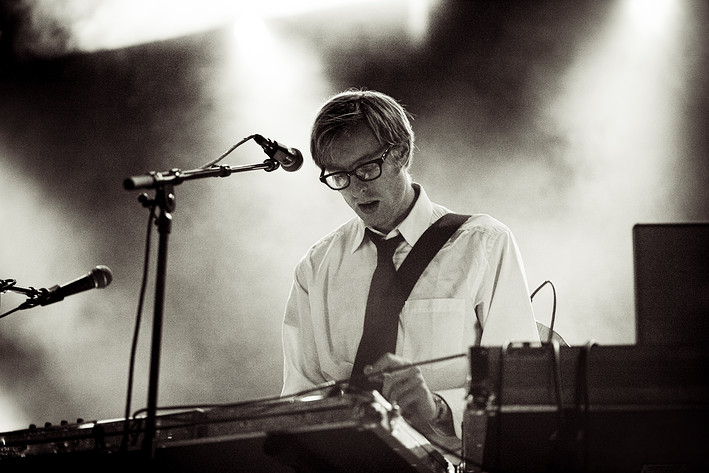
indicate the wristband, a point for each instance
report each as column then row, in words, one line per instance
column 441, row 409
column 442, row 423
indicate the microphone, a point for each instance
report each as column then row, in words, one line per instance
column 99, row 277
column 290, row 158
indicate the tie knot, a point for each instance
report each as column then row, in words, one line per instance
column 384, row 247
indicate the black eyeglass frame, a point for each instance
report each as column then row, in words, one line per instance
column 379, row 161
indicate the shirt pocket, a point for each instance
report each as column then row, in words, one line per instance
column 432, row 328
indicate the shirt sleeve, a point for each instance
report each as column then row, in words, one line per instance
column 299, row 349
column 503, row 305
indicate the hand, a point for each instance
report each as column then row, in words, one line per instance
column 404, row 387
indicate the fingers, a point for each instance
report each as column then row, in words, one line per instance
column 372, row 374
column 375, row 375
column 412, row 395
column 403, row 385
column 401, row 389
column 387, row 363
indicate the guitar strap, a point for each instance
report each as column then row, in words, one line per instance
column 423, row 252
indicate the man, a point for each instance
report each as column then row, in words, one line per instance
column 473, row 292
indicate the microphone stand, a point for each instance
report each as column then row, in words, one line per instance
column 163, row 183
column 34, row 296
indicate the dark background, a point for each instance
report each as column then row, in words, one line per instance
column 568, row 121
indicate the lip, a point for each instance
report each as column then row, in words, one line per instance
column 368, row 207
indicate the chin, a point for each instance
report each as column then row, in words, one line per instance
column 368, row 221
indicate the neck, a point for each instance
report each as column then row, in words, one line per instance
column 412, row 195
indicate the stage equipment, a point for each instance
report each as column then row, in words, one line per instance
column 342, row 433
column 99, row 277
column 671, row 275
column 587, row 409
column 164, row 201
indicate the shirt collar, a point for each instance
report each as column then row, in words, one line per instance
column 411, row 228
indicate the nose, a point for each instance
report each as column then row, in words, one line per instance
column 358, row 186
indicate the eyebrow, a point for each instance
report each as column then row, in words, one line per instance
column 363, row 160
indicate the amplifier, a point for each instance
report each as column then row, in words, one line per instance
column 342, row 433
column 587, row 409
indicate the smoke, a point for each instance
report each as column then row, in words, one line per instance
column 44, row 29
column 560, row 125
column 41, row 29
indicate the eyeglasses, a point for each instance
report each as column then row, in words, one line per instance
column 368, row 171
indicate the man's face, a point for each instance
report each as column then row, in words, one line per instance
column 383, row 202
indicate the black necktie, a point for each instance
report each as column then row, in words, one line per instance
column 380, row 322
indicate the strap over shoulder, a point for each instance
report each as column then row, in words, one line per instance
column 425, row 249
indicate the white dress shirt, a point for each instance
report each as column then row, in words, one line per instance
column 474, row 292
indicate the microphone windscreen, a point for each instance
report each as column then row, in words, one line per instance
column 102, row 276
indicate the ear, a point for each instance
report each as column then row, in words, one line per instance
column 402, row 155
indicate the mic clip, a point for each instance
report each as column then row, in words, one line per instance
column 271, row 164
column 270, row 148
column 37, row 297
column 34, row 296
